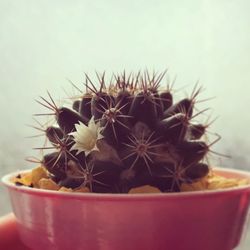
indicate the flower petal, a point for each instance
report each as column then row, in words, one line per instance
column 86, row 137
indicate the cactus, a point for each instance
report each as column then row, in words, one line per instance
column 124, row 135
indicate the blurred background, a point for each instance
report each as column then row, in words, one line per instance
column 44, row 43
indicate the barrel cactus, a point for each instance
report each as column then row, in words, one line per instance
column 126, row 134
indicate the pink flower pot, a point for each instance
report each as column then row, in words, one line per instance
column 202, row 220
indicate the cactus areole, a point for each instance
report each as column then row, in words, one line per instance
column 125, row 133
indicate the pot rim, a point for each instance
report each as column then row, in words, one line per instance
column 241, row 174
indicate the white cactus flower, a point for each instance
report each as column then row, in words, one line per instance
column 86, row 137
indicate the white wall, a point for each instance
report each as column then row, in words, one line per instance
column 44, row 42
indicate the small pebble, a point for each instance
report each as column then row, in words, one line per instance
column 64, row 189
column 144, row 189
column 37, row 174
column 47, row 184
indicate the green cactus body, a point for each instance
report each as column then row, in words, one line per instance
column 126, row 135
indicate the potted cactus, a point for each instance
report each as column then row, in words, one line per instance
column 127, row 137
